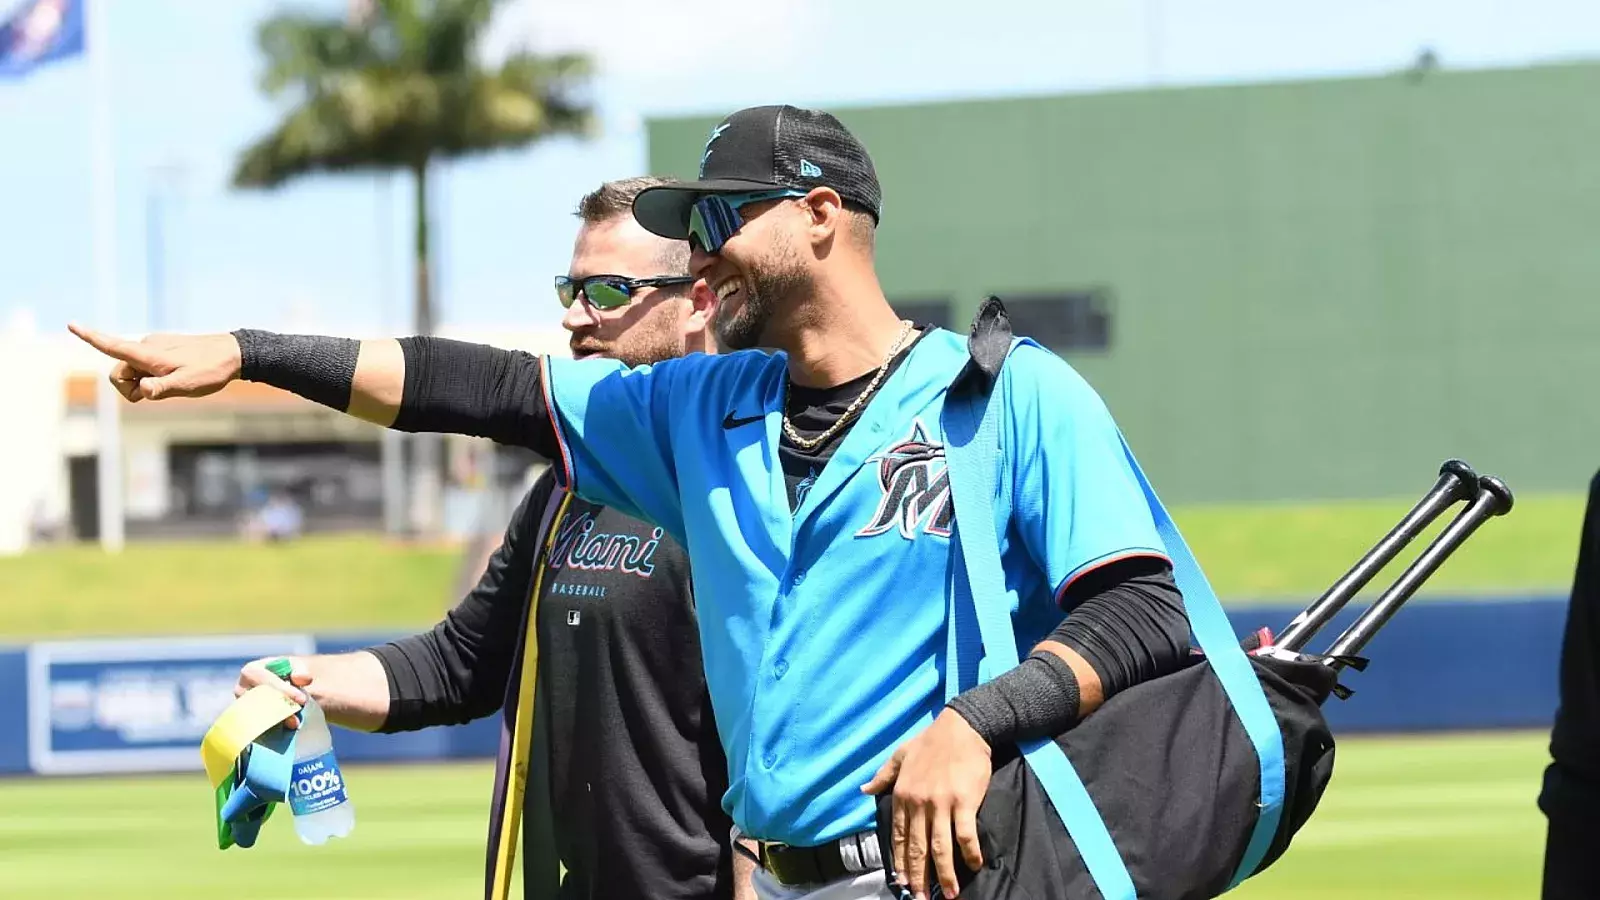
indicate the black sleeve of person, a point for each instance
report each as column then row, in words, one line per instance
column 1127, row 621
column 455, row 387
column 1570, row 794
column 451, row 387
column 457, row 671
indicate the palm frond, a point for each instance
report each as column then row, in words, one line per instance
column 454, row 28
column 526, row 99
column 403, row 86
column 303, row 50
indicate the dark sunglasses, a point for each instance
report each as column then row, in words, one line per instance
column 610, row 291
column 714, row 218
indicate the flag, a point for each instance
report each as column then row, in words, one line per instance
column 40, row 32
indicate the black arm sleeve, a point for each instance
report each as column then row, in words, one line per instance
column 318, row 368
column 455, row 387
column 1127, row 621
column 457, row 671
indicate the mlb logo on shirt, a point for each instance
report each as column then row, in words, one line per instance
column 573, row 616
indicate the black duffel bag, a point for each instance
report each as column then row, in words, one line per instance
column 1182, row 787
column 1176, row 780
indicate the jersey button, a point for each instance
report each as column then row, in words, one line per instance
column 799, row 576
column 781, row 668
column 771, row 759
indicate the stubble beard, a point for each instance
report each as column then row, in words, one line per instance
column 653, row 339
column 767, row 287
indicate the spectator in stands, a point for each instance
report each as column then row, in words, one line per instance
column 281, row 519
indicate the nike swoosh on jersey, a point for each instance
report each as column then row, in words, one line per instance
column 729, row 421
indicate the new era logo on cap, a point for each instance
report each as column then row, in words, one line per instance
column 764, row 148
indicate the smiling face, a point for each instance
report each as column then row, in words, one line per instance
column 660, row 322
column 762, row 270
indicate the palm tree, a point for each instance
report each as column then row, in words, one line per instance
column 397, row 85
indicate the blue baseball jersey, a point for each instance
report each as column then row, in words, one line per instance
column 824, row 629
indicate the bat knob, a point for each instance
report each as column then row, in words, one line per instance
column 1459, row 469
column 1503, row 499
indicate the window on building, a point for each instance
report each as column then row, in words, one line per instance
column 1062, row 320
column 925, row 310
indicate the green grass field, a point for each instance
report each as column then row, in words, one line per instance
column 1437, row 818
column 1252, row 554
column 1419, row 818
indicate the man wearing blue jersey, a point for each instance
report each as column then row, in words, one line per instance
column 809, row 486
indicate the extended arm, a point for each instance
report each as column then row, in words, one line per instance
column 410, row 384
column 610, row 429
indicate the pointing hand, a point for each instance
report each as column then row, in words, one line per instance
column 167, row 365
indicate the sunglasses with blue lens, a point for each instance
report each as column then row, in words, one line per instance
column 714, row 218
column 610, row 291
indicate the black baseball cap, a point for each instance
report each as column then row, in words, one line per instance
column 766, row 148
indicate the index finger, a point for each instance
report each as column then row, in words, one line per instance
column 117, row 348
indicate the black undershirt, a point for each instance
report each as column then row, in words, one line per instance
column 814, row 410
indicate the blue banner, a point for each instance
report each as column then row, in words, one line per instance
column 134, row 705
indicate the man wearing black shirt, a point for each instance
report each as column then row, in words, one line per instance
column 627, row 750
column 1570, row 794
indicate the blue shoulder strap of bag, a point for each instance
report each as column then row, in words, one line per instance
column 972, row 452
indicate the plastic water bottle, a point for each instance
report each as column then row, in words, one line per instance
column 317, row 793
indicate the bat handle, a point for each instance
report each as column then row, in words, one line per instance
column 1494, row 499
column 1457, row 481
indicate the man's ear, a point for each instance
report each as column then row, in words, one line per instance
column 702, row 307
column 827, row 213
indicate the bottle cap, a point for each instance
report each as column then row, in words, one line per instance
column 280, row 667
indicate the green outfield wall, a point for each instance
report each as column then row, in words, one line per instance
column 1284, row 291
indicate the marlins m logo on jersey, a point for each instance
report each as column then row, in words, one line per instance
column 916, row 488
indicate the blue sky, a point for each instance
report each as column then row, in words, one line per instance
column 330, row 254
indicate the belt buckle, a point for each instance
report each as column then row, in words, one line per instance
column 771, row 857
column 793, row 866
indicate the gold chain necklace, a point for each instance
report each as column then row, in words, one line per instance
column 850, row 411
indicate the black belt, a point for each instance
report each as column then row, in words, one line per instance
column 791, row 866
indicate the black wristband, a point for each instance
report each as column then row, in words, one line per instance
column 1038, row 698
column 320, row 369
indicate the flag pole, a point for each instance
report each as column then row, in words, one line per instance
column 107, row 403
